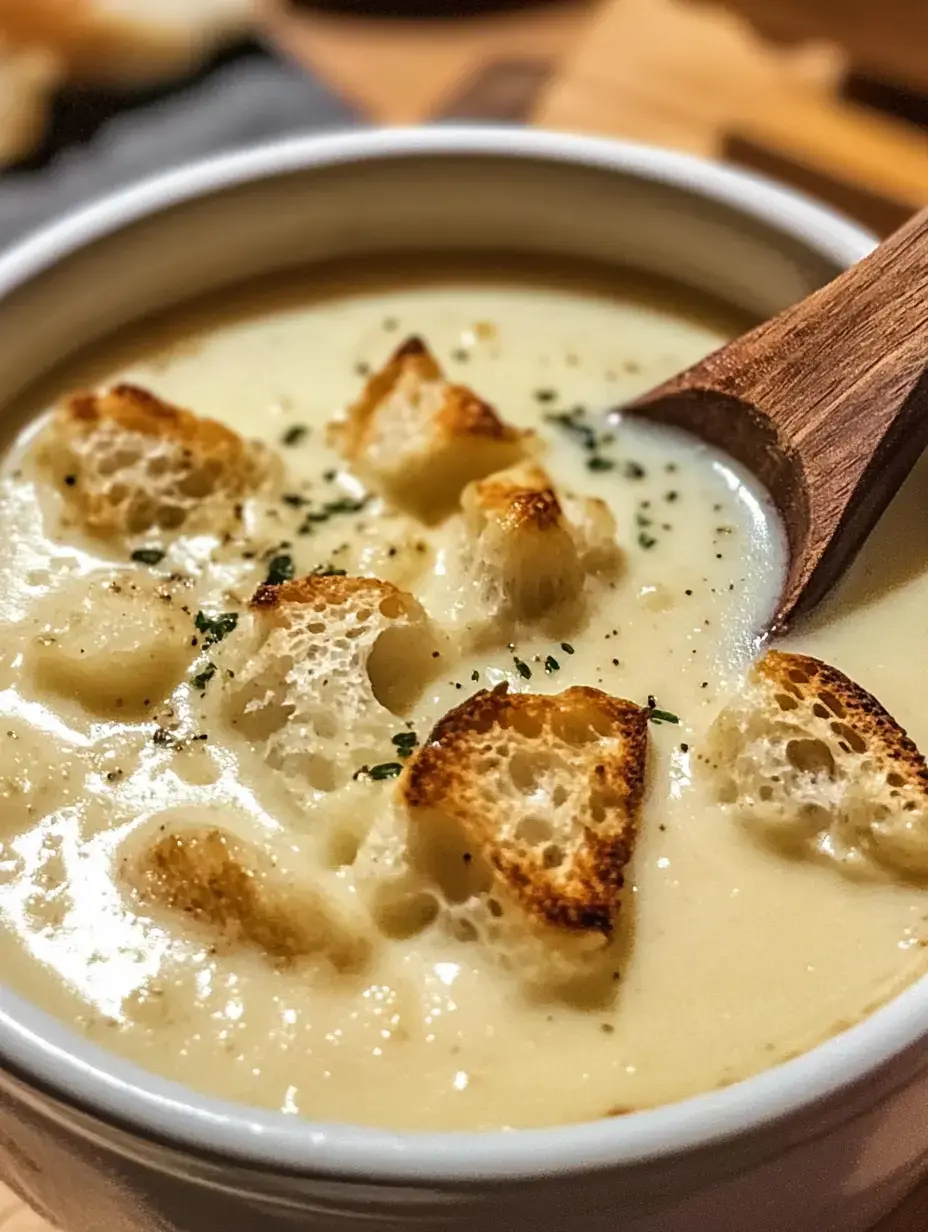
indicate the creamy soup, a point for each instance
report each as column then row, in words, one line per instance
column 728, row 958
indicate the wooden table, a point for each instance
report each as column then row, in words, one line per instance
column 826, row 94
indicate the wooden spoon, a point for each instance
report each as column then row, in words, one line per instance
column 827, row 404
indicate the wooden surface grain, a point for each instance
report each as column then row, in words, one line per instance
column 650, row 69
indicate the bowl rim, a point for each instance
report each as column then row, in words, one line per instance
column 40, row 1048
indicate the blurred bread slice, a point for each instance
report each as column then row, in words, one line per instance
column 815, row 766
column 28, row 75
column 238, row 896
column 125, row 42
column 417, row 439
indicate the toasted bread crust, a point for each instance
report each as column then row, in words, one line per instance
column 330, row 591
column 583, row 894
column 523, row 500
column 139, row 410
column 231, row 888
column 856, row 715
column 462, row 412
column 129, row 462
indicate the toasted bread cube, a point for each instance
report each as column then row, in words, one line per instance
column 233, row 891
column 418, row 440
column 335, row 664
column 127, row 463
column 524, row 809
column 814, row 765
column 526, row 557
column 118, row 648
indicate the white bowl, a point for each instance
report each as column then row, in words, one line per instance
column 828, row 1141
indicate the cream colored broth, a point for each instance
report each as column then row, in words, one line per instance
column 731, row 958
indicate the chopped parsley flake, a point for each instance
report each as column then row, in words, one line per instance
column 570, row 422
column 567, row 648
column 656, row 715
column 475, row 675
column 386, row 770
column 599, row 463
column 545, row 395
column 148, row 556
column 215, row 628
column 294, row 500
column 633, row 470
column 523, row 669
column 552, row 665
column 405, row 743
column 279, row 570
column 327, row 571
column 646, row 541
column 294, row 435
column 345, row 505
column 202, row 679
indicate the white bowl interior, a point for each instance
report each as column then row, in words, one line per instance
column 394, row 205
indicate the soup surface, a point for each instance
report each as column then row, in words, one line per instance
column 729, row 956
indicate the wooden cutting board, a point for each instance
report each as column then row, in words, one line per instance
column 830, row 95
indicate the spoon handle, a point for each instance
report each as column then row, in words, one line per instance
column 827, row 403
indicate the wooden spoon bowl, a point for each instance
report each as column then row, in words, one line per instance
column 826, row 403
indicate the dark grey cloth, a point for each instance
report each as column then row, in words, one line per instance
column 247, row 100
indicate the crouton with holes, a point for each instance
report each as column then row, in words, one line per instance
column 118, row 647
column 525, row 556
column 418, row 440
column 331, row 667
column 238, row 897
column 127, row 463
column 524, row 813
column 814, row 765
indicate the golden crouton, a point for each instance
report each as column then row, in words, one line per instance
column 235, row 894
column 128, row 463
column 334, row 664
column 418, row 440
column 525, row 557
column 813, row 764
column 541, row 791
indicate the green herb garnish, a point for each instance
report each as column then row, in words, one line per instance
column 215, row 628
column 570, row 422
column 567, row 648
column 633, row 470
column 656, row 715
column 386, row 770
column 523, row 669
column 599, row 463
column 148, row 556
column 294, row 435
column 475, row 675
column 294, row 500
column 641, row 520
column 327, row 571
column 646, row 541
column 552, row 665
column 279, row 570
column 405, row 743
column 202, row 679
column 345, row 505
